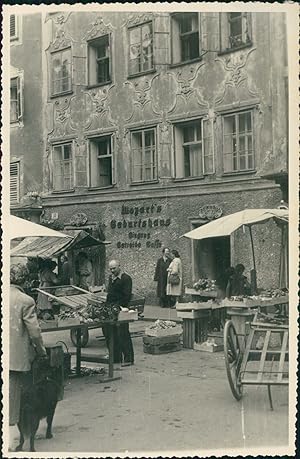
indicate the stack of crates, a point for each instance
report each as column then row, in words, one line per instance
column 163, row 341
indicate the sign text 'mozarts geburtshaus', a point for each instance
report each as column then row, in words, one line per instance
column 147, row 219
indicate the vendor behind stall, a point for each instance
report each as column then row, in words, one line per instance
column 47, row 278
column 238, row 284
column 84, row 271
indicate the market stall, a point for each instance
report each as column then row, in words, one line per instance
column 242, row 309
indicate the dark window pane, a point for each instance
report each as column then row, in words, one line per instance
column 187, row 168
column 149, row 138
column 103, row 71
column 105, row 172
column 67, row 151
column 185, row 23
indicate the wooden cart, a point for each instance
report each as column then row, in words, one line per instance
column 264, row 364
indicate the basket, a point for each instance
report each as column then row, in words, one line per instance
column 67, row 360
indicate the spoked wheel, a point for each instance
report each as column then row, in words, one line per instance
column 84, row 337
column 233, row 359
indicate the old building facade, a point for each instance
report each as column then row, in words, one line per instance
column 155, row 123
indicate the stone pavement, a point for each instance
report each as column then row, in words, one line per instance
column 164, row 404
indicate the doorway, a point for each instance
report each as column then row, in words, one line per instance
column 211, row 258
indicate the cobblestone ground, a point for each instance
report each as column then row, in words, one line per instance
column 179, row 401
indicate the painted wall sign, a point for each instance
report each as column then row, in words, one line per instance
column 139, row 218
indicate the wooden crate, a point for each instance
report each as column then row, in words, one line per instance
column 193, row 306
column 158, row 332
column 195, row 314
column 67, row 322
column 195, row 330
column 162, row 345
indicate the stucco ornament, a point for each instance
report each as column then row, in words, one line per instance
column 141, row 94
column 63, row 113
column 210, row 212
column 98, row 29
column 61, row 18
column 235, row 67
column 99, row 99
column 61, row 40
column 135, row 19
column 78, row 219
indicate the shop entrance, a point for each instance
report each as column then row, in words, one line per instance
column 211, row 258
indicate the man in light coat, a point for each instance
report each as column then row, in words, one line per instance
column 25, row 339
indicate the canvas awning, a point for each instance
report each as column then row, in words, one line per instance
column 51, row 246
column 19, row 227
column 226, row 225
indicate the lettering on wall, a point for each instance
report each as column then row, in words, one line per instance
column 139, row 221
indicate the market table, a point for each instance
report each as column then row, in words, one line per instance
column 90, row 358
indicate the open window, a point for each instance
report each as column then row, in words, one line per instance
column 61, row 81
column 16, row 99
column 194, row 155
column 144, row 155
column 141, row 48
column 185, row 37
column 235, row 30
column 101, row 162
column 62, row 157
column 238, row 142
column 99, row 61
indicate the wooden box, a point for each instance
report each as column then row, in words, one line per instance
column 198, row 314
column 162, row 345
column 44, row 324
column 204, row 293
column 245, row 303
column 208, row 346
column 193, row 306
column 127, row 315
column 159, row 332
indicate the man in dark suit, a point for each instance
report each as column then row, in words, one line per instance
column 161, row 276
column 119, row 293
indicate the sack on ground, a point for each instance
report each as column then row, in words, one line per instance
column 174, row 279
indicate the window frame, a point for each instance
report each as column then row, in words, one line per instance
column 70, row 89
column 224, row 34
column 19, row 100
column 110, row 57
column 140, row 26
column 180, row 125
column 142, row 130
column 236, row 114
column 18, row 182
column 72, row 175
column 94, row 139
column 175, row 17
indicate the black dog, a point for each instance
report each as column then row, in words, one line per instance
column 38, row 401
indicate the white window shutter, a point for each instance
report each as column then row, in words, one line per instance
column 20, row 94
column 208, row 154
column 81, row 166
column 209, row 32
column 14, row 182
column 161, row 39
column 13, row 26
column 113, row 159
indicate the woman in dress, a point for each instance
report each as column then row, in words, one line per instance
column 175, row 267
column 47, row 279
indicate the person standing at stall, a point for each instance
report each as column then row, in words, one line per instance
column 174, row 282
column 238, row 283
column 84, row 270
column 161, row 276
column 65, row 271
column 25, row 339
column 119, row 293
column 47, row 278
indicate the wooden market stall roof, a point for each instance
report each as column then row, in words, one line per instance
column 51, row 246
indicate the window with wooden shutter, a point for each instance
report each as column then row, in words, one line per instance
column 143, row 155
column 14, row 182
column 16, row 99
column 13, row 29
column 62, row 167
column 99, row 61
column 185, row 37
column 235, row 30
column 61, row 71
column 161, row 38
column 141, row 48
column 194, row 154
column 102, row 161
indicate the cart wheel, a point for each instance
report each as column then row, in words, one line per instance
column 84, row 337
column 233, row 359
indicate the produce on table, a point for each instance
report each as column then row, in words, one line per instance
column 274, row 293
column 206, row 285
column 162, row 324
